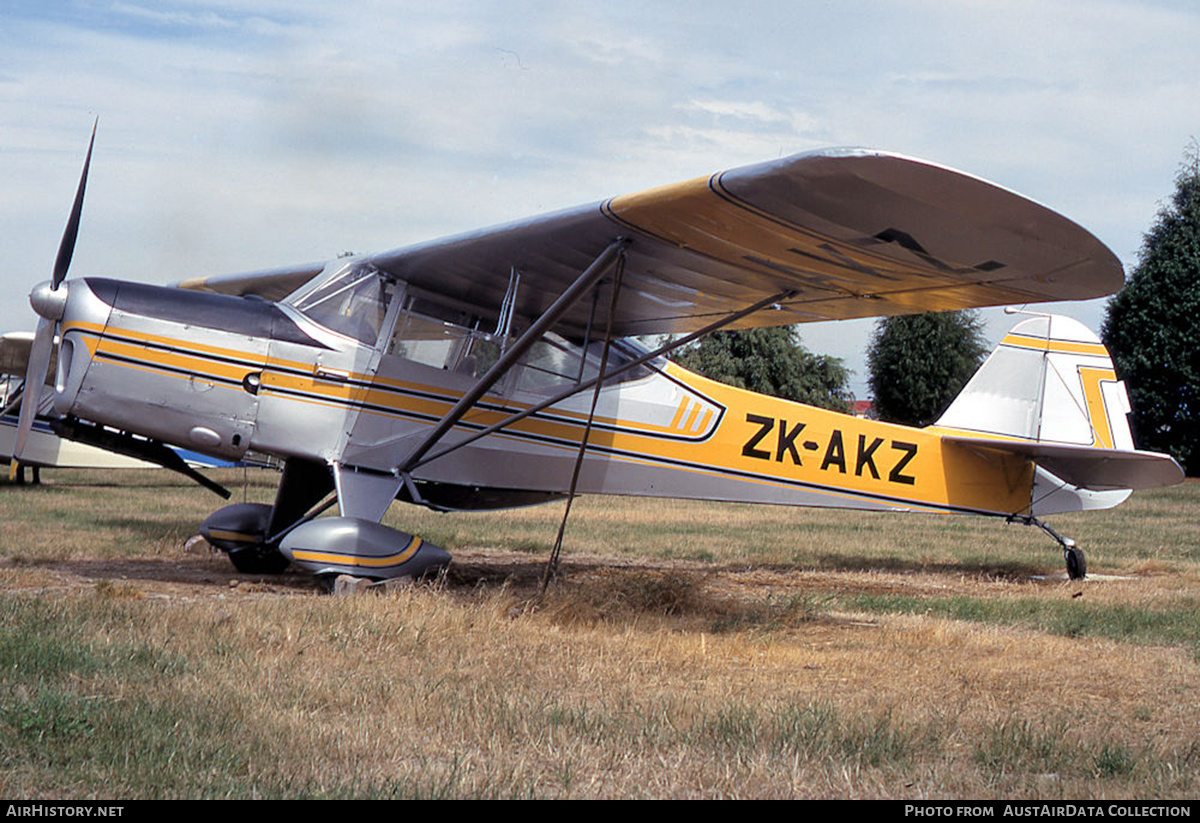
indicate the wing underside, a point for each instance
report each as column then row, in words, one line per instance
column 850, row 232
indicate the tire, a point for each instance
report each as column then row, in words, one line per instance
column 1076, row 563
column 258, row 560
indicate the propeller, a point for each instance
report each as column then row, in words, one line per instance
column 49, row 302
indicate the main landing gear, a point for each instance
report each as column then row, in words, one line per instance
column 16, row 472
column 240, row 531
column 263, row 539
column 1072, row 554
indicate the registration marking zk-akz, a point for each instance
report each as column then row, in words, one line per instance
column 788, row 443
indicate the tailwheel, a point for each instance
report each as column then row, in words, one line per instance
column 1076, row 562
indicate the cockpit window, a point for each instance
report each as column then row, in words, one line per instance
column 553, row 363
column 445, row 334
column 426, row 340
column 353, row 302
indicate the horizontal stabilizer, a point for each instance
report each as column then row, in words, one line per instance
column 1087, row 467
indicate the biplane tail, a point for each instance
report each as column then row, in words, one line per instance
column 1049, row 393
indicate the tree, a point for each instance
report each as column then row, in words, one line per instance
column 1152, row 327
column 919, row 363
column 770, row 361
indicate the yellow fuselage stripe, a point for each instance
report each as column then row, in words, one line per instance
column 760, row 438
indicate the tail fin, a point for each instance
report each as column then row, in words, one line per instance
column 1050, row 380
column 1049, row 393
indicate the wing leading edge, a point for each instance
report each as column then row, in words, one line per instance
column 853, row 232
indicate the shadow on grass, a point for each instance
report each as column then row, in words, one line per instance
column 209, row 573
column 528, row 572
column 986, row 569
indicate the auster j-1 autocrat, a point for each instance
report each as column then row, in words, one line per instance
column 500, row 368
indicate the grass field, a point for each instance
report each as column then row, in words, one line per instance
column 690, row 650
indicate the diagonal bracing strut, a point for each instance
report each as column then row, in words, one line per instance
column 587, row 384
column 565, row 301
column 552, row 564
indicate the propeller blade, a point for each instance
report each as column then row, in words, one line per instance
column 66, row 248
column 35, row 378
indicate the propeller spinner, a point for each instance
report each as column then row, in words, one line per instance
column 49, row 300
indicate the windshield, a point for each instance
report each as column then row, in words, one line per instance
column 353, row 302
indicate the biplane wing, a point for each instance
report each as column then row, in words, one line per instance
column 14, row 352
column 851, row 232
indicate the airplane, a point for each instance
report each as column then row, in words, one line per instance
column 499, row 368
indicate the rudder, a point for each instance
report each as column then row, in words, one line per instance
column 1050, row 380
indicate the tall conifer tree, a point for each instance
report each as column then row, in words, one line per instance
column 1152, row 327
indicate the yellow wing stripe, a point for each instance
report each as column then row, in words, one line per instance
column 695, row 216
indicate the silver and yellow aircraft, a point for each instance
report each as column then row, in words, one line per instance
column 498, row 368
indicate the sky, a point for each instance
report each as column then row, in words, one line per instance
column 236, row 135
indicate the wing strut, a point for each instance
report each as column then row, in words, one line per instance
column 587, row 384
column 552, row 564
column 599, row 267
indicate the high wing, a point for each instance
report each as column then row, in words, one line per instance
column 379, row 380
column 269, row 284
column 852, row 232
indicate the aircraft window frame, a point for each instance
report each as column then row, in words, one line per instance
column 425, row 320
column 552, row 363
column 355, row 301
column 419, row 338
column 583, row 365
column 466, row 349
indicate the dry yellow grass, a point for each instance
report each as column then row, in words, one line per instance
column 689, row 651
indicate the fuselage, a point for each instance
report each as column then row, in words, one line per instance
column 356, row 370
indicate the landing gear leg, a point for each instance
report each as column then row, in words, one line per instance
column 1072, row 554
column 16, row 473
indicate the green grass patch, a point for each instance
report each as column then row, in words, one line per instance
column 1176, row 623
